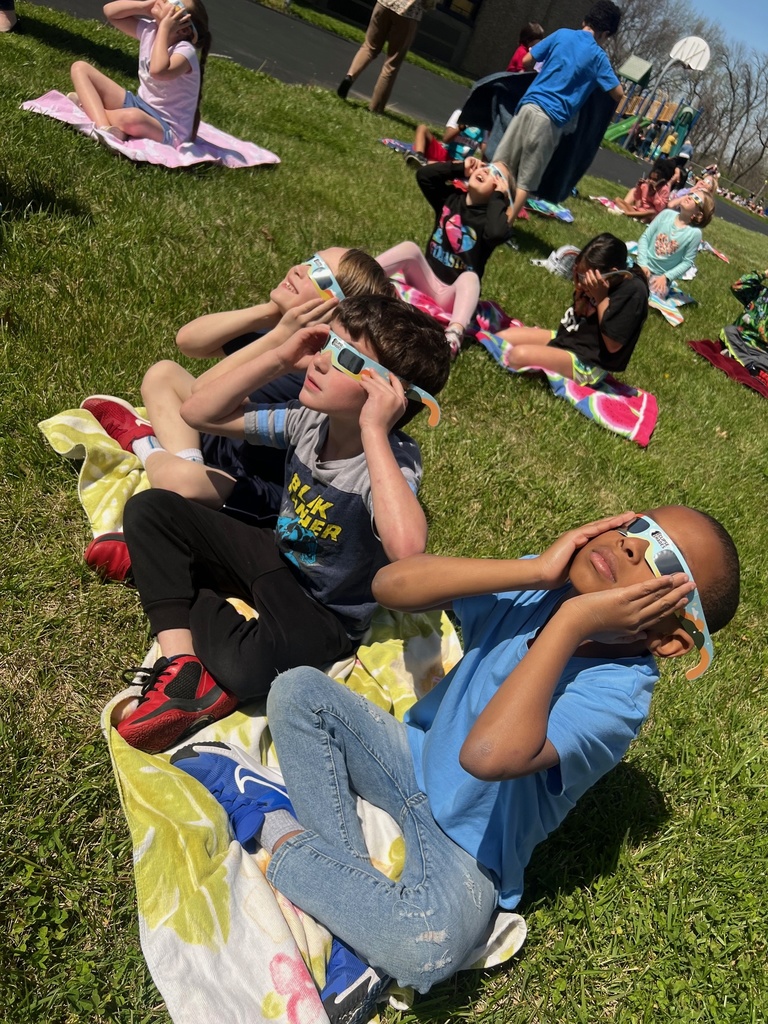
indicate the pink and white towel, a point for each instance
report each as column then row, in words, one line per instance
column 210, row 146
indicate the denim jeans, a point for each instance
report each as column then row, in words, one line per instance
column 332, row 744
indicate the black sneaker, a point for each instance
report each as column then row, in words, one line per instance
column 416, row 160
column 344, row 86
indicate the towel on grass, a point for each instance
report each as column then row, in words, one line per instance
column 629, row 412
column 108, row 475
column 210, row 146
column 220, row 943
column 545, row 209
column 717, row 354
column 609, row 204
column 669, row 307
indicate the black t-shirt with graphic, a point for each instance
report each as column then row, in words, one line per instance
column 464, row 235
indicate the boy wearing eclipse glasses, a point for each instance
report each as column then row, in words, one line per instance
column 348, row 507
column 555, row 683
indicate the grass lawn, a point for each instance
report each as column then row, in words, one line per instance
column 650, row 903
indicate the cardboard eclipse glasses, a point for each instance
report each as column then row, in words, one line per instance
column 348, row 360
column 664, row 558
column 322, row 277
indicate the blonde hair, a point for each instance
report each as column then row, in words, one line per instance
column 706, row 210
column 360, row 274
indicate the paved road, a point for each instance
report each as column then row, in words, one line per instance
column 298, row 53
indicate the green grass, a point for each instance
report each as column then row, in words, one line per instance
column 356, row 35
column 650, row 903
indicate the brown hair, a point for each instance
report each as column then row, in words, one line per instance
column 706, row 209
column 199, row 17
column 530, row 33
column 360, row 274
column 408, row 342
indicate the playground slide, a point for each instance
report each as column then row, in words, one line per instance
column 618, row 131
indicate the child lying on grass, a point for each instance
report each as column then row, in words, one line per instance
column 555, row 683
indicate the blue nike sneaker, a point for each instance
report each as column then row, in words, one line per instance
column 246, row 789
column 352, row 988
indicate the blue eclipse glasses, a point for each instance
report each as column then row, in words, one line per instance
column 345, row 357
column 664, row 558
column 322, row 277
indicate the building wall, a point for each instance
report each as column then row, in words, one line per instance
column 498, row 24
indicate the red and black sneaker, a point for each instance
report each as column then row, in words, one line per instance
column 118, row 419
column 108, row 555
column 179, row 697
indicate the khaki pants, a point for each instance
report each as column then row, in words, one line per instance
column 398, row 33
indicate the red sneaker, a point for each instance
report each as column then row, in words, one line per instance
column 179, row 697
column 119, row 419
column 108, row 555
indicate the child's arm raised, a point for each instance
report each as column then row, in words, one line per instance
column 434, row 181
column 204, row 337
column 509, row 737
column 316, row 311
column 424, row 582
column 399, row 518
column 162, row 64
column 123, row 14
column 219, row 407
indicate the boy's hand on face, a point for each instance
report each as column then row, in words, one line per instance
column 555, row 563
column 318, row 310
column 298, row 350
column 625, row 615
column 386, row 401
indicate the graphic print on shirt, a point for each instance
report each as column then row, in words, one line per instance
column 299, row 535
column 665, row 246
column 450, row 238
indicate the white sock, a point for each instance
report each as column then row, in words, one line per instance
column 146, row 446
column 191, row 455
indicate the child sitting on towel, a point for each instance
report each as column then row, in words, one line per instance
column 668, row 246
column 348, row 507
column 650, row 195
column 167, row 106
column 556, row 682
column 459, row 142
column 219, row 470
column 469, row 224
column 599, row 331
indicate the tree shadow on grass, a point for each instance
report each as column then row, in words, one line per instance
column 32, row 195
column 105, row 57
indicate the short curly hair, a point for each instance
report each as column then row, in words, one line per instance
column 603, row 16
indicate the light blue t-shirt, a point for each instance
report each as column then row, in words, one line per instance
column 574, row 65
column 597, row 709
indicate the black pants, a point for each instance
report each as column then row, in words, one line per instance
column 187, row 559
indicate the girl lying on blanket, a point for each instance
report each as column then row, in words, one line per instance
column 468, row 227
column 167, row 106
column 216, row 470
column 600, row 330
column 668, row 246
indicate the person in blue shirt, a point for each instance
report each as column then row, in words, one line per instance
column 574, row 64
column 556, row 680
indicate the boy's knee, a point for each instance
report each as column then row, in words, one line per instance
column 161, row 375
column 288, row 695
column 149, row 507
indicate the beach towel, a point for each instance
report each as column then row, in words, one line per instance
column 397, row 145
column 717, row 354
column 210, row 146
column 220, row 943
column 609, row 204
column 629, row 412
column 669, row 307
column 108, row 475
column 545, row 209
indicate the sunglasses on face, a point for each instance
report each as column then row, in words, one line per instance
column 348, row 360
column 697, row 199
column 321, row 276
column 664, row 558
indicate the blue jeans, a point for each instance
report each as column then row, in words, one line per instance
column 332, row 744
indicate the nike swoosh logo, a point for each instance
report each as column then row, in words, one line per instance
column 242, row 777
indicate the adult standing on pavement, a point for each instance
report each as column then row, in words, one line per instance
column 394, row 22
